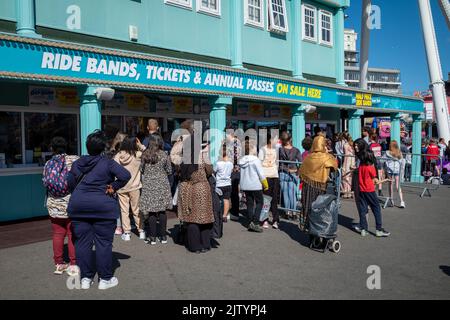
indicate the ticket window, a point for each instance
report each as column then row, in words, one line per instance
column 111, row 125
column 329, row 129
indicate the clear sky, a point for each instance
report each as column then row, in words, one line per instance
column 399, row 43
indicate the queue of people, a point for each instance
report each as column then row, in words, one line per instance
column 92, row 198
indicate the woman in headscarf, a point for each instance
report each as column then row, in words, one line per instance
column 195, row 205
column 314, row 173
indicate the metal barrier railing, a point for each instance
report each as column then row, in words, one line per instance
column 432, row 181
column 289, row 180
column 431, row 170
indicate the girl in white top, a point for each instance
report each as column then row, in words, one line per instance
column 223, row 169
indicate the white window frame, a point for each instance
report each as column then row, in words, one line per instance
column 329, row 14
column 304, row 36
column 202, row 9
column 253, row 23
column 35, row 109
column 272, row 26
column 180, row 3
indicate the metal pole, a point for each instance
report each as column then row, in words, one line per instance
column 445, row 7
column 365, row 43
column 434, row 66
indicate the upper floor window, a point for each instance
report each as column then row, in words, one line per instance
column 180, row 3
column 309, row 23
column 326, row 28
column 209, row 7
column 277, row 16
column 253, row 10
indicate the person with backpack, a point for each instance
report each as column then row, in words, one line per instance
column 129, row 157
column 156, row 196
column 58, row 196
column 367, row 178
column 94, row 208
column 252, row 183
column 269, row 156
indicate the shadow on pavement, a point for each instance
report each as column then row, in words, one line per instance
column 346, row 222
column 116, row 257
column 445, row 269
column 293, row 231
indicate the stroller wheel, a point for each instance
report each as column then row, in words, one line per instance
column 317, row 241
column 336, row 247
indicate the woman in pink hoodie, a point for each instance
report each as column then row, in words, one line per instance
column 129, row 157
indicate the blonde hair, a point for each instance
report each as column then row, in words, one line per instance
column 117, row 141
column 394, row 149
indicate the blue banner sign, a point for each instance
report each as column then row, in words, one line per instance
column 31, row 59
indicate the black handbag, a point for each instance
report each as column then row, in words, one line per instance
column 180, row 234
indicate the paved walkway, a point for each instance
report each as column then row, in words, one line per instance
column 414, row 262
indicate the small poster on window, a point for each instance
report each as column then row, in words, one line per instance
column 42, row 96
column 117, row 103
column 242, row 109
column 285, row 112
column 183, row 105
column 137, row 102
column 67, row 97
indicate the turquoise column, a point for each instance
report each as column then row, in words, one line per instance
column 417, row 149
column 354, row 123
column 395, row 127
column 25, row 15
column 237, row 18
column 298, row 126
column 297, row 67
column 218, row 121
column 339, row 47
column 90, row 114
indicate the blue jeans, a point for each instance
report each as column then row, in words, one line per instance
column 289, row 185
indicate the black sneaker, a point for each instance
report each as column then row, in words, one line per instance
column 255, row 228
column 151, row 241
column 163, row 239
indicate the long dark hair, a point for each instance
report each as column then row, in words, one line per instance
column 187, row 169
column 155, row 146
column 129, row 146
column 363, row 153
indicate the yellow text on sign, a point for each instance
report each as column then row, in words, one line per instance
column 363, row 100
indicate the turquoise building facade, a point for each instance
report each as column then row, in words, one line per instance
column 230, row 62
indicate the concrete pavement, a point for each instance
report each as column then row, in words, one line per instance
column 414, row 263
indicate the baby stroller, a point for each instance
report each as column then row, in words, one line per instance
column 323, row 219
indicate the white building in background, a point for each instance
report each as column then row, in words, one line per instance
column 380, row 80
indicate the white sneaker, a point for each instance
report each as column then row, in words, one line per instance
column 364, row 233
column 266, row 225
column 107, row 284
column 86, row 283
column 126, row 237
column 402, row 205
column 142, row 235
column 275, row 225
column 73, row 271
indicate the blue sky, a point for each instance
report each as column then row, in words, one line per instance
column 399, row 43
